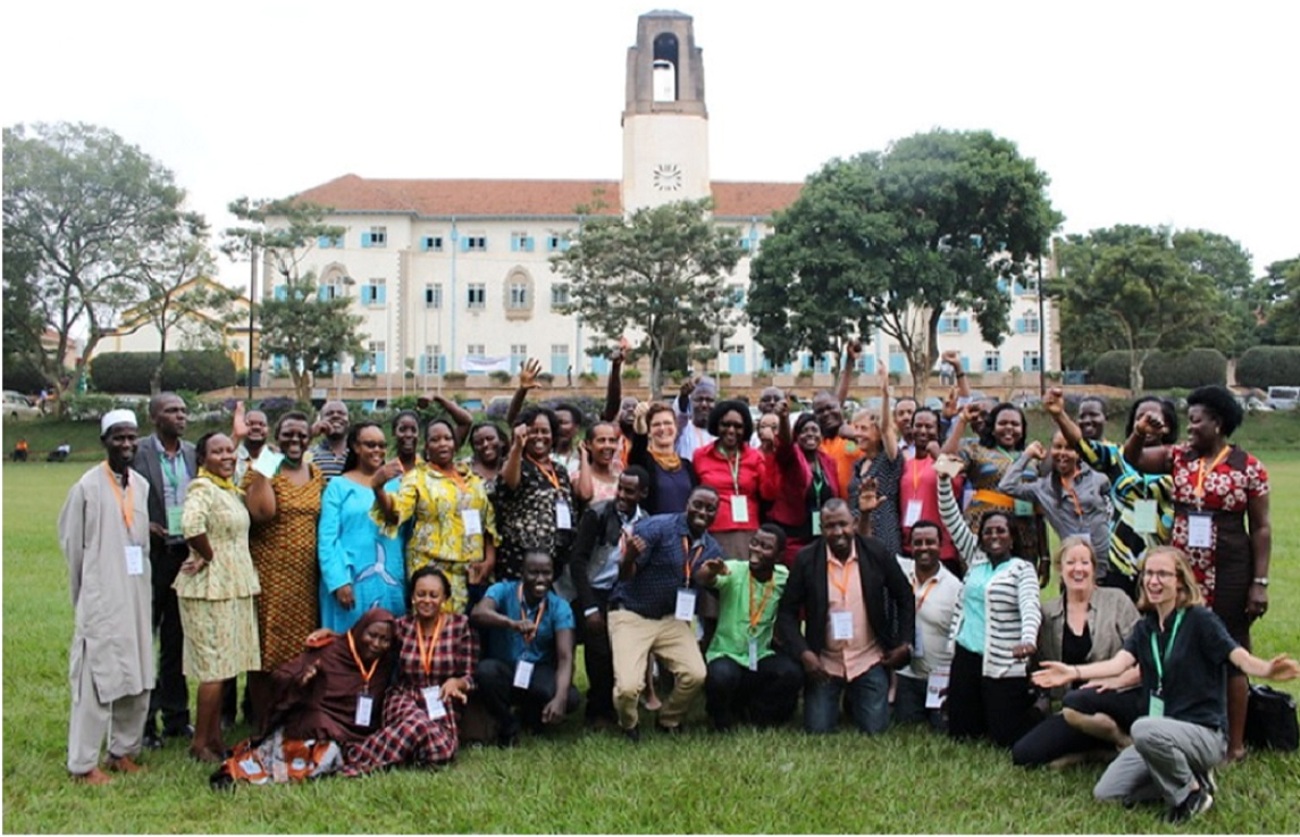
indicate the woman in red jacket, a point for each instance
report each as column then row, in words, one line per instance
column 799, row 478
column 731, row 467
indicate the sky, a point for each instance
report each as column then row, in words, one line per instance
column 1140, row 112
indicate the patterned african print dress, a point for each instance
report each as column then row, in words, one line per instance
column 284, row 552
column 984, row 470
column 528, row 518
column 410, row 735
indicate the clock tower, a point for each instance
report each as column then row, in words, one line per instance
column 665, row 123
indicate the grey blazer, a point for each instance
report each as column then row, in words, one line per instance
column 1111, row 617
column 149, row 466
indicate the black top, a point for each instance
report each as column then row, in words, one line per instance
column 1075, row 648
column 1195, row 667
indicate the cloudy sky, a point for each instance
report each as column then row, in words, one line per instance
column 1141, row 112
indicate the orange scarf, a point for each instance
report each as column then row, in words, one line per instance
column 668, row 461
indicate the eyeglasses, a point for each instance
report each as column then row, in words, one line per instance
column 1163, row 575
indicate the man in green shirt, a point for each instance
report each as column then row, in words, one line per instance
column 747, row 678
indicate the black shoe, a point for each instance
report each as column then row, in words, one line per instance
column 1206, row 780
column 633, row 735
column 185, row 731
column 1196, row 803
column 152, row 740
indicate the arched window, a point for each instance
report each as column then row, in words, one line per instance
column 664, row 78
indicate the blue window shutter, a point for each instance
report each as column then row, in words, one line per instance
column 514, row 243
column 1020, row 326
column 281, row 292
column 963, row 325
column 380, row 362
column 381, row 292
column 424, row 244
column 897, row 364
column 321, row 293
column 464, row 243
column 365, row 239
column 528, row 244
column 323, row 241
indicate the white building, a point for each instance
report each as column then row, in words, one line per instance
column 454, row 274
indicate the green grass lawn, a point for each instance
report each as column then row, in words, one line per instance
column 907, row 780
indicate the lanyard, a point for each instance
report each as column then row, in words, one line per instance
column 170, row 468
column 818, row 481
column 365, row 675
column 125, row 499
column 690, row 559
column 537, row 621
column 548, row 471
column 1201, row 470
column 455, row 476
column 734, row 465
column 843, row 584
column 426, row 656
column 926, row 590
column 1169, row 646
column 916, row 477
column 756, row 614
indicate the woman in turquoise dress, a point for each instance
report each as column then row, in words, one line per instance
column 360, row 569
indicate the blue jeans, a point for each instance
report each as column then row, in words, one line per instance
column 909, row 704
column 867, row 697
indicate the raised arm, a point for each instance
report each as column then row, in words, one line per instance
column 513, row 470
column 614, row 386
column 947, row 467
column 851, row 353
column 888, row 431
column 952, row 445
column 461, row 417
column 1149, row 460
column 1013, row 478
column 528, row 373
column 1054, row 404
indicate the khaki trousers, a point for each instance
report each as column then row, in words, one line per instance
column 121, row 721
column 633, row 639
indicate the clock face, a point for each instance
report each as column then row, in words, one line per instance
column 668, row 177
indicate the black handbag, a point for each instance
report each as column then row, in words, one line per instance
column 1271, row 719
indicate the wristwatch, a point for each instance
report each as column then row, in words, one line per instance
column 1261, row 581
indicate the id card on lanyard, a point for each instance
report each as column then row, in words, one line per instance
column 685, row 607
column 365, row 703
column 1156, row 702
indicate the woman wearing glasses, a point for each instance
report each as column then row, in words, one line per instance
column 360, row 567
column 732, row 468
column 1184, row 653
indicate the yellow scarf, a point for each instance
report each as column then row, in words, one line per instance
column 219, row 482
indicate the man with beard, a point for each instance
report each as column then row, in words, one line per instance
column 332, row 452
column 698, row 396
column 936, row 592
column 104, row 533
column 167, row 463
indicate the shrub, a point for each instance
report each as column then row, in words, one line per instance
column 1164, row 370
column 588, row 377
column 631, row 373
column 1269, row 366
column 454, row 377
column 499, row 376
column 129, row 372
column 22, row 375
column 1110, row 369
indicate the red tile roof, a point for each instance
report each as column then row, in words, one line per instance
column 351, row 193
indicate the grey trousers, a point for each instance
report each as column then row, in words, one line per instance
column 121, row 721
column 1159, row 765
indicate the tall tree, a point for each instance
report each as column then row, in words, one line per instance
column 1128, row 288
column 176, row 299
column 308, row 330
column 891, row 239
column 81, row 207
column 657, row 276
column 1280, row 287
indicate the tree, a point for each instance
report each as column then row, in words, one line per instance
column 299, row 324
column 891, row 239
column 1278, row 293
column 81, row 207
column 1127, row 288
column 660, row 271
column 171, row 269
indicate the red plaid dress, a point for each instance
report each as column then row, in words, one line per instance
column 409, row 735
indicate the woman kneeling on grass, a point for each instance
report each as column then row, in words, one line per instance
column 327, row 701
column 1183, row 651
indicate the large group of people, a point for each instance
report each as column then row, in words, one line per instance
column 377, row 589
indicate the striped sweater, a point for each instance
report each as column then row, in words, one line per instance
column 1011, row 609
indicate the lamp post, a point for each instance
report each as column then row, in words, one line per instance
column 1042, row 335
column 252, row 304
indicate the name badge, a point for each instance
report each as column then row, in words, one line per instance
column 1024, row 508
column 134, row 560
column 935, row 685
column 563, row 520
column 1145, row 517
column 1156, row 707
column 176, row 520
column 841, row 625
column 912, row 514
column 753, row 654
column 268, row 462
column 474, row 521
column 739, row 509
column 365, row 705
column 816, row 524
column 685, row 605
column 1200, row 530
column 433, row 702
column 523, row 674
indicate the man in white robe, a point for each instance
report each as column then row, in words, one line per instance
column 104, row 533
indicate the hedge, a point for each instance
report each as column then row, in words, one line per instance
column 1164, row 370
column 1269, row 366
column 22, row 375
column 129, row 372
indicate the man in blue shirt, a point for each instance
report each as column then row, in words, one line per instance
column 653, row 604
column 528, row 658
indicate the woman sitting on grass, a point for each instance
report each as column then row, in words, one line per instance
column 327, row 701
column 1184, row 652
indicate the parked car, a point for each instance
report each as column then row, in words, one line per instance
column 18, row 406
column 1283, row 398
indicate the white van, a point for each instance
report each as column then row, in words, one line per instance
column 1284, row 398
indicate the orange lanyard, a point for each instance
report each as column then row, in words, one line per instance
column 548, row 471
column 454, row 475
column 1201, row 471
column 541, row 608
column 690, row 559
column 756, row 614
column 916, row 478
column 734, row 466
column 125, row 499
column 843, row 584
column 426, row 656
column 926, row 590
column 365, row 675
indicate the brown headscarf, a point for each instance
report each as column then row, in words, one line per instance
column 326, row 707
